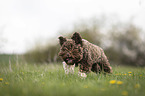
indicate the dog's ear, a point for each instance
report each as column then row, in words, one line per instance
column 61, row 40
column 77, row 38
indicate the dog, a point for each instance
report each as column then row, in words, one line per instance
column 87, row 56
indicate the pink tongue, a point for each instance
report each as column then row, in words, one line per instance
column 69, row 61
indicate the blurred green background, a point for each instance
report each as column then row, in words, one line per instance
column 123, row 42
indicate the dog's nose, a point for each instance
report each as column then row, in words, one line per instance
column 67, row 54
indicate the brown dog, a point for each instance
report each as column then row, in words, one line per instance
column 79, row 51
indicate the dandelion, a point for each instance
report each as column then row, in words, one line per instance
column 124, row 74
column 140, row 75
column 85, row 86
column 1, row 79
column 23, row 73
column 137, row 86
column 125, row 93
column 129, row 72
column 112, row 81
column 7, row 83
column 119, row 82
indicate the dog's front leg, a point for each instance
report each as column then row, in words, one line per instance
column 81, row 74
column 65, row 67
column 68, row 68
column 72, row 69
column 83, row 69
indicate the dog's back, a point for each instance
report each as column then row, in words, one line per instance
column 95, row 55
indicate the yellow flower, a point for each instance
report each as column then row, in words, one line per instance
column 85, row 86
column 137, row 86
column 124, row 74
column 23, row 73
column 140, row 75
column 125, row 93
column 129, row 72
column 1, row 79
column 7, row 83
column 119, row 82
column 112, row 81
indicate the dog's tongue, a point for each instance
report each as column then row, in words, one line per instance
column 69, row 61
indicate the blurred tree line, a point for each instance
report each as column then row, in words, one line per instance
column 123, row 43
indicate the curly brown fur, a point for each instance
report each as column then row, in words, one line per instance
column 90, row 57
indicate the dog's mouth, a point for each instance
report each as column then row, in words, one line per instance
column 69, row 61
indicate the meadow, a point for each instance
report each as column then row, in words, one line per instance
column 27, row 79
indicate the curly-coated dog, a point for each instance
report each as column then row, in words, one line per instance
column 90, row 57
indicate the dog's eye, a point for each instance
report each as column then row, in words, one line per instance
column 80, row 49
column 71, row 45
column 75, row 48
column 75, row 51
column 63, row 49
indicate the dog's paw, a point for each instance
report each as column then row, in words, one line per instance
column 82, row 75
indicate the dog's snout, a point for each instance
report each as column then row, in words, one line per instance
column 68, row 54
column 60, row 54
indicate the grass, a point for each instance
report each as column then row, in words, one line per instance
column 50, row 80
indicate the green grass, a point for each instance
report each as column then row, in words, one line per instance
column 50, row 80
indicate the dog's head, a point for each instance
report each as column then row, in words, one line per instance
column 71, row 50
